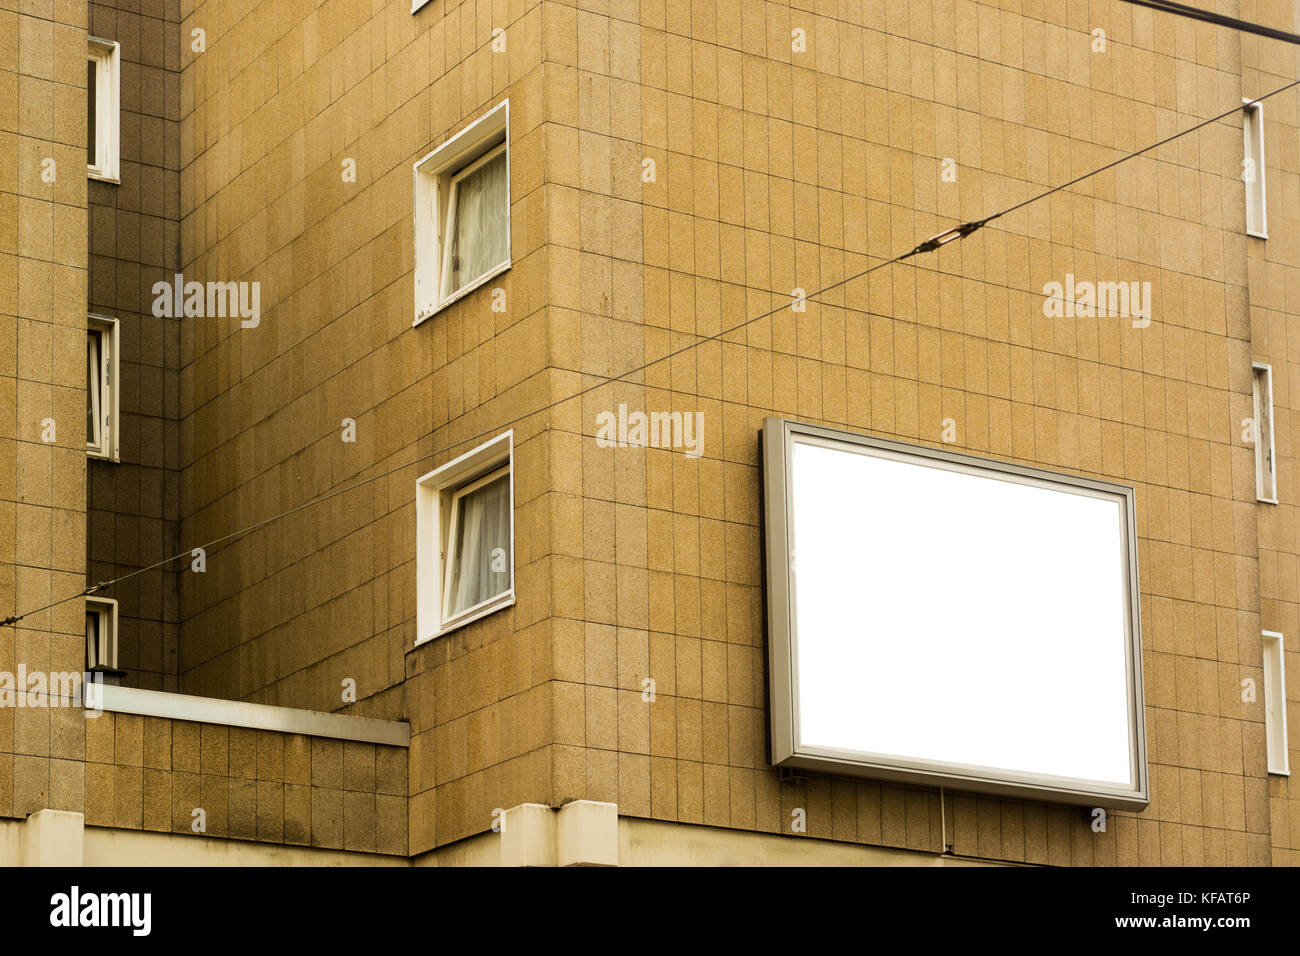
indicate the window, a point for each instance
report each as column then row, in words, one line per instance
column 462, row 213
column 465, row 549
column 1275, row 703
column 102, row 118
column 1253, row 170
column 475, row 222
column 479, row 536
column 942, row 619
column 1265, row 456
column 101, row 387
column 101, row 634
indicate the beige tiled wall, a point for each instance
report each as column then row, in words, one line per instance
column 775, row 169
column 42, row 377
column 134, row 237
column 152, row 773
column 1272, row 274
column 780, row 169
column 283, row 95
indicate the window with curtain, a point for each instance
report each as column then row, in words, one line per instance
column 1265, row 462
column 1253, row 171
column 101, row 387
column 94, row 396
column 103, row 99
column 92, row 89
column 477, row 231
column 461, row 212
column 479, row 564
column 101, row 633
column 1275, row 704
column 92, row 639
column 464, row 556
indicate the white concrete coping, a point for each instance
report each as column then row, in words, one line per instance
column 237, row 713
column 580, row 833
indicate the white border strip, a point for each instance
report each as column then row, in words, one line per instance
column 1269, row 638
column 237, row 713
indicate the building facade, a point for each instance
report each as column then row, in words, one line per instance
column 401, row 576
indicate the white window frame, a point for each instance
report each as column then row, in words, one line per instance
column 435, row 178
column 1275, row 703
column 106, row 653
column 452, row 528
column 108, row 117
column 106, row 447
column 1265, row 447
column 436, row 495
column 445, row 294
column 1256, row 195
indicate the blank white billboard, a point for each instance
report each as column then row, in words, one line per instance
column 938, row 618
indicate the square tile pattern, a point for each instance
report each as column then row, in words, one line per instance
column 675, row 170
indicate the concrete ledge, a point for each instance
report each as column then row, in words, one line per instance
column 581, row 833
column 586, row 834
column 235, row 713
column 590, row 833
column 528, row 835
column 52, row 838
column 643, row 842
column 105, row 846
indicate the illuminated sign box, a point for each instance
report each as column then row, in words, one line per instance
column 941, row 619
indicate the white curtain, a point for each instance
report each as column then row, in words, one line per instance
column 92, row 388
column 92, row 90
column 92, row 640
column 480, row 240
column 483, row 526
